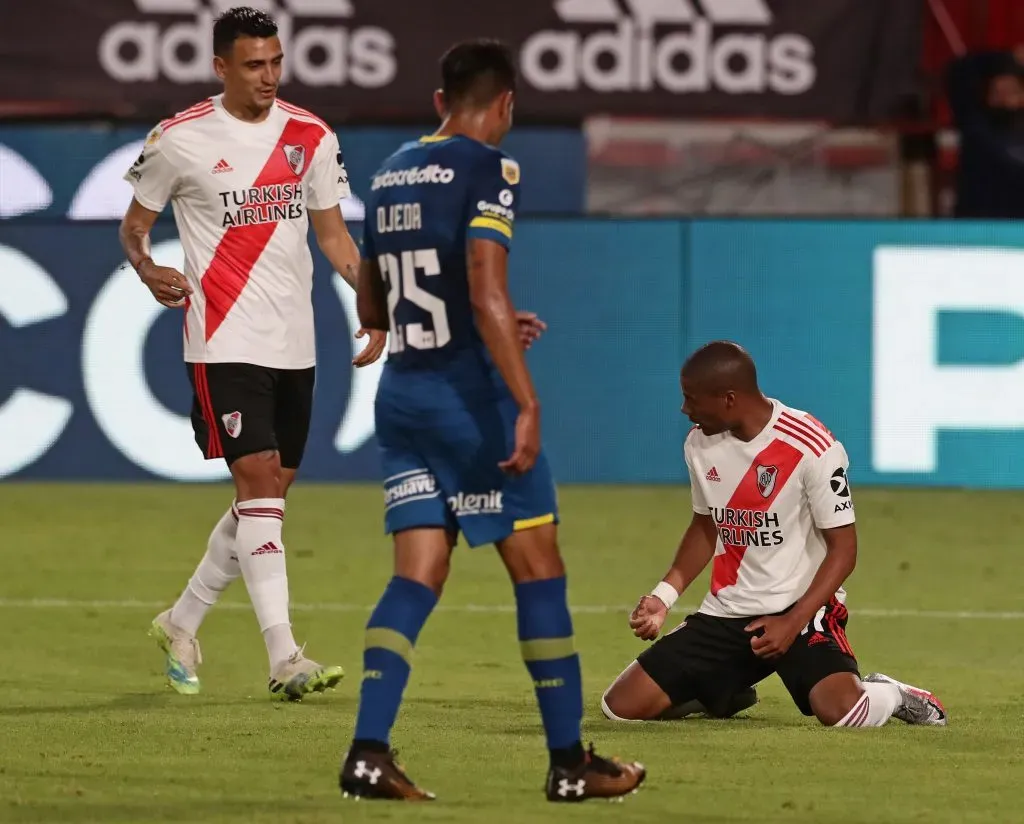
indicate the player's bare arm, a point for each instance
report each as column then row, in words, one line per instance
column 168, row 285
column 781, row 630
column 336, row 242
column 497, row 323
column 340, row 249
column 371, row 299
column 696, row 548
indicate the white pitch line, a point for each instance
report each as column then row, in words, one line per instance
column 856, row 612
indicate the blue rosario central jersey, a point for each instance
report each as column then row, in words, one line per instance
column 444, row 416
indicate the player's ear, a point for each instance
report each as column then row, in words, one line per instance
column 219, row 66
column 440, row 106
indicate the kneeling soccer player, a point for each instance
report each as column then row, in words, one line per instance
column 772, row 506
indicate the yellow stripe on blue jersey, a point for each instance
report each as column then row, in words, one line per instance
column 492, row 223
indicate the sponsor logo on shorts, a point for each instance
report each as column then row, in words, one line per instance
column 484, row 503
column 232, row 423
column 412, row 486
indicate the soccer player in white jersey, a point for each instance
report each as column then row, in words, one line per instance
column 245, row 174
column 772, row 507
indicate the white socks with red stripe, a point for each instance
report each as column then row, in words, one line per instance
column 218, row 568
column 875, row 706
column 260, row 552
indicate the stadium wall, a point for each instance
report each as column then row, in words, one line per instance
column 906, row 338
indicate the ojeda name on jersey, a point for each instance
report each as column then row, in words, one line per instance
column 399, row 217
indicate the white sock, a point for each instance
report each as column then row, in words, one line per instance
column 875, row 706
column 260, row 552
column 218, row 568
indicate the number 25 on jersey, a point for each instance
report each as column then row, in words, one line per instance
column 400, row 275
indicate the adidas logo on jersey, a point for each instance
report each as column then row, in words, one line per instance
column 410, row 177
column 681, row 46
column 269, row 548
column 220, row 167
column 713, row 475
column 158, row 43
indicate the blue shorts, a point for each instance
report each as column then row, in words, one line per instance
column 440, row 447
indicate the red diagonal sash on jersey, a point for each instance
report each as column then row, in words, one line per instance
column 784, row 457
column 241, row 246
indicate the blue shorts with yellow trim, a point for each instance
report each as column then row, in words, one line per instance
column 440, row 453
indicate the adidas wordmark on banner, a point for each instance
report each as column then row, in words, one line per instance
column 322, row 48
column 681, row 46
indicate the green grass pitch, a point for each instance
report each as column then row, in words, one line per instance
column 88, row 731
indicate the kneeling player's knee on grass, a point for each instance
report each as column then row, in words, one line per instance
column 833, row 697
column 613, row 707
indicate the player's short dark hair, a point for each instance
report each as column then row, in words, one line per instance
column 475, row 72
column 722, row 366
column 240, row 21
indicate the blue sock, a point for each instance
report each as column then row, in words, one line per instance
column 546, row 641
column 391, row 634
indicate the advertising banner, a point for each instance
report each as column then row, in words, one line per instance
column 842, row 60
column 905, row 338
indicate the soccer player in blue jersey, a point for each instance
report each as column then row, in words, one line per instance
column 458, row 423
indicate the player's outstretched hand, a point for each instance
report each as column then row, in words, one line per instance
column 648, row 617
column 168, row 285
column 779, row 634
column 530, row 328
column 524, row 456
column 373, row 349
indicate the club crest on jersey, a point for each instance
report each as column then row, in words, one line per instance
column 766, row 477
column 232, row 423
column 296, row 157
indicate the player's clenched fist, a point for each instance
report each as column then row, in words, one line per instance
column 168, row 285
column 646, row 620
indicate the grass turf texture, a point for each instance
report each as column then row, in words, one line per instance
column 90, row 733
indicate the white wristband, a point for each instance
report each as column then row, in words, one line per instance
column 666, row 593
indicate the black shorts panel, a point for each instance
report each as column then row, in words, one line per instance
column 705, row 658
column 710, row 659
column 819, row 651
column 240, row 409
